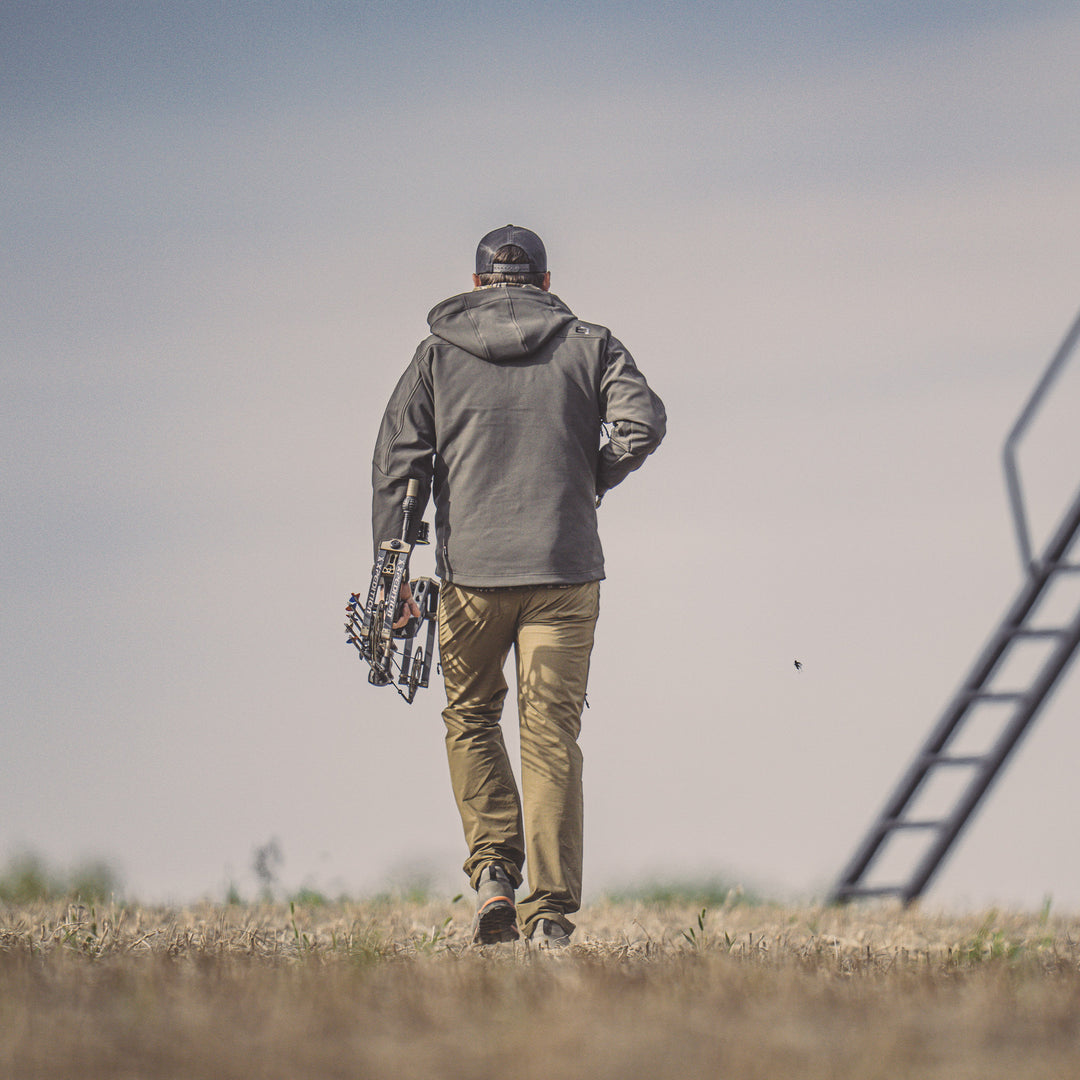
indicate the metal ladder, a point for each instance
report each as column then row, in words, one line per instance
column 979, row 694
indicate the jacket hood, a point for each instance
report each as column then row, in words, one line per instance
column 501, row 322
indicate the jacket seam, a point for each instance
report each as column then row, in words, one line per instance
column 514, row 322
column 400, row 424
column 479, row 336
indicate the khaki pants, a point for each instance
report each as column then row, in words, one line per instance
column 551, row 630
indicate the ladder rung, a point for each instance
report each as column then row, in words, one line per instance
column 920, row 823
column 1040, row 632
column 993, row 695
column 953, row 759
column 1064, row 568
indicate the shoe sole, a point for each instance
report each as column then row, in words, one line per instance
column 540, row 940
column 552, row 943
column 496, row 922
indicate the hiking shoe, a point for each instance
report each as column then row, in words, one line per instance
column 549, row 934
column 496, row 916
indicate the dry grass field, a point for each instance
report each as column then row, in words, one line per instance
column 392, row 989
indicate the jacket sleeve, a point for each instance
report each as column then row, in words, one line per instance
column 404, row 450
column 635, row 417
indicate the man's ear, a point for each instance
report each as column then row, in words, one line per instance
column 476, row 281
column 546, row 283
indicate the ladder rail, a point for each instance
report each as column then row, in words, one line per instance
column 961, row 702
column 1023, row 422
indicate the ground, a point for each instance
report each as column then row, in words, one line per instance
column 391, row 988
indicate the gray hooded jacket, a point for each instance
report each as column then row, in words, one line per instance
column 499, row 414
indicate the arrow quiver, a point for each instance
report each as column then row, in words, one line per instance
column 370, row 624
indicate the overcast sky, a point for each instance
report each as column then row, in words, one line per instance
column 840, row 240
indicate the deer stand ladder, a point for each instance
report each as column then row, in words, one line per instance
column 982, row 699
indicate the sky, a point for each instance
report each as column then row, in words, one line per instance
column 838, row 238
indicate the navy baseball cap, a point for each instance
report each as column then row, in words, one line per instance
column 528, row 241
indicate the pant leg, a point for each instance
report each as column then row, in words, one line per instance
column 476, row 632
column 554, row 645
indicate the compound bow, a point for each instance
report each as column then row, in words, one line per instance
column 370, row 625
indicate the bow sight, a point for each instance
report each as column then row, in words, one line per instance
column 370, row 625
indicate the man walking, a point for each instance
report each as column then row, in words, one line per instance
column 501, row 416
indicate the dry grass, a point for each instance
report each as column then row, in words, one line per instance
column 393, row 990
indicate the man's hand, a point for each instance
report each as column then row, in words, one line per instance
column 409, row 607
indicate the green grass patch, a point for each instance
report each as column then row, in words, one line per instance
column 709, row 892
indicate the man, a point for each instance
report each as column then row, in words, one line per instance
column 500, row 415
